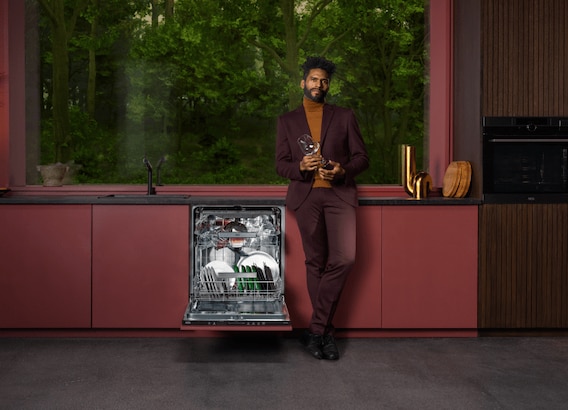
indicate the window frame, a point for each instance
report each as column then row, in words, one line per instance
column 438, row 151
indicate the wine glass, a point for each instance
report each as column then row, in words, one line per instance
column 310, row 147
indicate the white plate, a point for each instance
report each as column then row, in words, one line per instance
column 223, row 255
column 206, row 281
column 221, row 267
column 260, row 259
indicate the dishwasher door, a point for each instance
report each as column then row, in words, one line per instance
column 236, row 278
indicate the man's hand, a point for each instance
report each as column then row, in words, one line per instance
column 333, row 173
column 310, row 162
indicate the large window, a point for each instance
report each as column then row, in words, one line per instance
column 199, row 83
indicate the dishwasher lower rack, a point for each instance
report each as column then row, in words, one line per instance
column 242, row 299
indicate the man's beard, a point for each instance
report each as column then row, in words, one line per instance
column 316, row 98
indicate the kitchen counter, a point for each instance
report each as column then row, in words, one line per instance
column 121, row 262
column 413, row 201
column 167, row 199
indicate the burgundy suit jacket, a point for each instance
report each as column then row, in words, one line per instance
column 341, row 141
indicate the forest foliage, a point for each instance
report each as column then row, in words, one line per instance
column 200, row 83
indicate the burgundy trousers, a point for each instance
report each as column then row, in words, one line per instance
column 328, row 228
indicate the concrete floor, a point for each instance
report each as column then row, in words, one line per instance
column 270, row 372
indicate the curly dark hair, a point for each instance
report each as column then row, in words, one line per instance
column 318, row 62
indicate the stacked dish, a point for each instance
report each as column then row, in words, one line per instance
column 457, row 179
column 218, row 277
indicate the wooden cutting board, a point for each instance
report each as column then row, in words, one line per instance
column 465, row 179
column 451, row 181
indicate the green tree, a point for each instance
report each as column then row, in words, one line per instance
column 194, row 82
column 280, row 31
column 104, row 25
column 204, row 81
column 63, row 17
column 383, row 77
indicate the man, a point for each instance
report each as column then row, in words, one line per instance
column 323, row 198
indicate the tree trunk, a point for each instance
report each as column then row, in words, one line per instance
column 61, row 31
column 92, row 80
column 169, row 13
column 292, row 54
column 155, row 13
column 60, row 69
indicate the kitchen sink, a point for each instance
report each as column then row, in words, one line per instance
column 143, row 198
column 156, row 196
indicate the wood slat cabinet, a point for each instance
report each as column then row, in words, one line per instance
column 523, row 266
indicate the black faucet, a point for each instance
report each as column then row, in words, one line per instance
column 158, row 178
column 151, row 189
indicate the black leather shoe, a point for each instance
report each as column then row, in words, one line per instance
column 312, row 343
column 329, row 348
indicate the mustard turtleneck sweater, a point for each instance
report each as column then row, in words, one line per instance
column 314, row 115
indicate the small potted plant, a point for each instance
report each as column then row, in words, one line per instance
column 52, row 174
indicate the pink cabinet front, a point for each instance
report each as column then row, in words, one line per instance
column 429, row 271
column 140, row 265
column 45, row 278
column 360, row 303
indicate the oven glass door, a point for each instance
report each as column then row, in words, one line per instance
column 526, row 166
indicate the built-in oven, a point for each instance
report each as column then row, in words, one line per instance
column 237, row 270
column 525, row 159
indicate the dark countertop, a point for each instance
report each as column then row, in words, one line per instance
column 413, row 201
column 166, row 199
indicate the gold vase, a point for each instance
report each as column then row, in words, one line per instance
column 416, row 184
column 408, row 168
column 422, row 185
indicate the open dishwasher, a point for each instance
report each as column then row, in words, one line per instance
column 237, row 267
